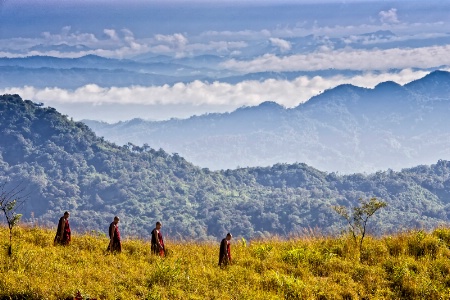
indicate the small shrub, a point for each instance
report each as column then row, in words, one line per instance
column 421, row 244
column 394, row 246
column 439, row 269
column 262, row 251
column 294, row 256
column 289, row 287
column 164, row 274
column 372, row 252
column 442, row 234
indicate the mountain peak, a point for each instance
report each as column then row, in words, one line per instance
column 270, row 105
column 435, row 75
column 343, row 91
column 387, row 85
column 93, row 57
column 135, row 121
column 436, row 83
column 264, row 106
column 438, row 74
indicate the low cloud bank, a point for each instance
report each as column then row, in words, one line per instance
column 350, row 59
column 287, row 93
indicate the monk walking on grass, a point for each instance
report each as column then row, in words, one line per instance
column 225, row 251
column 63, row 235
column 157, row 246
column 115, row 245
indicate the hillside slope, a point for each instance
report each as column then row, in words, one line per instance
column 65, row 166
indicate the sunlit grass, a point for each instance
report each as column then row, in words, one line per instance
column 413, row 265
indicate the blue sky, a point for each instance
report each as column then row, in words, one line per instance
column 252, row 36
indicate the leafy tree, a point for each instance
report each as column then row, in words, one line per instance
column 358, row 217
column 10, row 201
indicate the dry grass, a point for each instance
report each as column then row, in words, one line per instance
column 413, row 265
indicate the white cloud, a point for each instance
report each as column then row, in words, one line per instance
column 197, row 93
column 177, row 40
column 374, row 39
column 220, row 47
column 118, row 44
column 114, row 44
column 112, row 34
column 347, row 59
column 123, row 43
column 67, row 37
column 389, row 16
column 241, row 34
column 303, row 29
column 282, row 44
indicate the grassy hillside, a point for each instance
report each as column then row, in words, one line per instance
column 413, row 265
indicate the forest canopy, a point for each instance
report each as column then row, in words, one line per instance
column 65, row 166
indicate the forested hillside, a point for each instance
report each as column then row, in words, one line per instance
column 65, row 166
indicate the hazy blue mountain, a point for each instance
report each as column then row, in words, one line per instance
column 63, row 165
column 205, row 61
column 151, row 58
column 60, row 47
column 261, row 76
column 88, row 61
column 345, row 129
column 47, row 71
column 101, row 63
column 72, row 78
column 383, row 34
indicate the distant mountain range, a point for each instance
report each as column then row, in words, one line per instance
column 72, row 73
column 46, row 71
column 347, row 129
column 154, row 70
column 62, row 165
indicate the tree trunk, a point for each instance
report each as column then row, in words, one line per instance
column 10, row 242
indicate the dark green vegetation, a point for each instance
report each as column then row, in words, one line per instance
column 67, row 167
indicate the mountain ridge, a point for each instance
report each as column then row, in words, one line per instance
column 66, row 166
column 343, row 129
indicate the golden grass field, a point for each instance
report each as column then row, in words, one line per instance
column 412, row 265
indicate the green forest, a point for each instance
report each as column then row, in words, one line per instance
column 63, row 165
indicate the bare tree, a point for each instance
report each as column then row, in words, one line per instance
column 10, row 202
column 358, row 217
